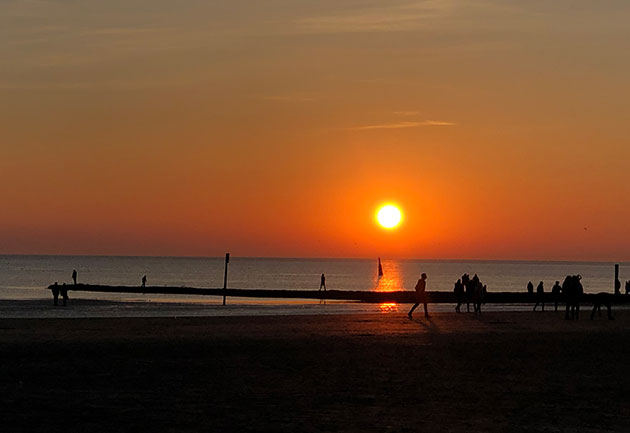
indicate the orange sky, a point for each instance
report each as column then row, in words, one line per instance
column 277, row 128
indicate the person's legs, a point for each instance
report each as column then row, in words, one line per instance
column 410, row 313
column 426, row 311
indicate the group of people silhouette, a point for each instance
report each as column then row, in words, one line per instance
column 556, row 292
column 570, row 292
column 469, row 291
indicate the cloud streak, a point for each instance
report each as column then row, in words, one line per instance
column 397, row 17
column 401, row 125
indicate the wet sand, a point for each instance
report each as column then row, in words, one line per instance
column 501, row 372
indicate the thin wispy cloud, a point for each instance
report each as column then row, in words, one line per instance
column 400, row 125
column 407, row 113
column 393, row 17
column 298, row 97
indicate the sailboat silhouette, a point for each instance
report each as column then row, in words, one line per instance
column 380, row 268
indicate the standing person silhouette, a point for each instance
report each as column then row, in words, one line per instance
column 144, row 281
column 540, row 296
column 421, row 297
column 530, row 288
column 322, row 282
column 555, row 292
column 74, row 276
column 459, row 294
column 617, row 286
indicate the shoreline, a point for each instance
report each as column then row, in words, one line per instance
column 42, row 308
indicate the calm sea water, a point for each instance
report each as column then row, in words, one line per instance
column 25, row 278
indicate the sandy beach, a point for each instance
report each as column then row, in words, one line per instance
column 518, row 371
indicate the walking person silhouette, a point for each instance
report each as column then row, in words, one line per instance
column 322, row 282
column 421, row 297
column 144, row 281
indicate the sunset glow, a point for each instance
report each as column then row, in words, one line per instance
column 276, row 129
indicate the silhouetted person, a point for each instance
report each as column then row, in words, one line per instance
column 617, row 286
column 55, row 293
column 421, row 296
column 627, row 287
column 470, row 286
column 74, row 276
column 478, row 296
column 322, row 282
column 459, row 294
column 540, row 296
column 530, row 288
column 572, row 290
column 600, row 299
column 144, row 281
column 555, row 293
column 64, row 293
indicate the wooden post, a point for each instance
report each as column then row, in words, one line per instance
column 227, row 260
column 617, row 283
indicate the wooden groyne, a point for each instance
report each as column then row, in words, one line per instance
column 341, row 295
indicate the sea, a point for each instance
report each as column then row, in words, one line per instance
column 24, row 278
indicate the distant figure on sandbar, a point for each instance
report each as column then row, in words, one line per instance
column 74, row 276
column 555, row 294
column 540, row 296
column 421, row 296
column 600, row 299
column 322, row 282
column 55, row 293
column 627, row 287
column 64, row 293
column 530, row 288
column 459, row 294
column 144, row 281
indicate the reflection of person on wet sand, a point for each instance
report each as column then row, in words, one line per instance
column 421, row 297
column 322, row 282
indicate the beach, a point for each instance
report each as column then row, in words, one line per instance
column 503, row 371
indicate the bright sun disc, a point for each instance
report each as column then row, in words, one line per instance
column 389, row 216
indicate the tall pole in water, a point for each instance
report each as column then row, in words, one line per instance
column 617, row 282
column 227, row 260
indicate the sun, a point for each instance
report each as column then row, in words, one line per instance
column 389, row 216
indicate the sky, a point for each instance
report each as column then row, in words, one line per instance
column 277, row 128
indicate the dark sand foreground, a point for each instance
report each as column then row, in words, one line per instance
column 518, row 372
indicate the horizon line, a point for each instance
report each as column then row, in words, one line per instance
column 319, row 258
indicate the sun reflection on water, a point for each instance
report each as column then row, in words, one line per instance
column 389, row 282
